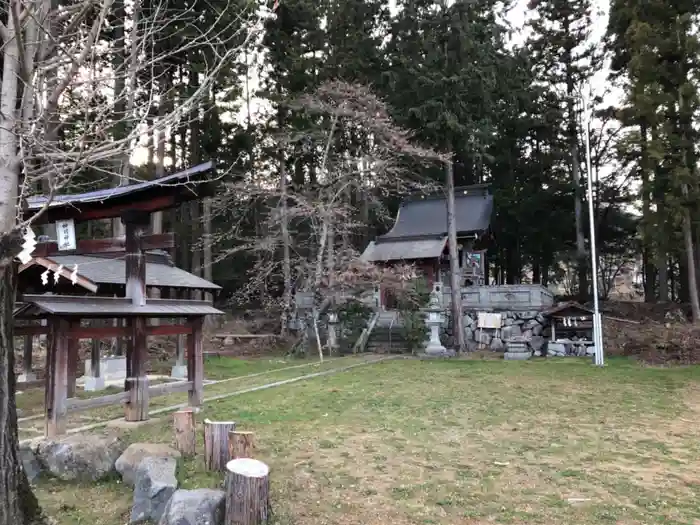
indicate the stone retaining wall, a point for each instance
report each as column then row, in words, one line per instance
column 531, row 325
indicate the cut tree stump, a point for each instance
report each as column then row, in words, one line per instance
column 240, row 444
column 216, row 444
column 247, row 492
column 185, row 431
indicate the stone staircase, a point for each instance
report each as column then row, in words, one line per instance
column 386, row 338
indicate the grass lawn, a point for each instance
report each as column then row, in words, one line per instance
column 240, row 374
column 455, row 442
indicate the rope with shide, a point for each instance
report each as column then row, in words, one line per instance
column 173, row 408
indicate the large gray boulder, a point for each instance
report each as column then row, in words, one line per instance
column 511, row 331
column 30, row 462
column 80, row 457
column 195, row 507
column 129, row 461
column 497, row 345
column 155, row 485
column 536, row 343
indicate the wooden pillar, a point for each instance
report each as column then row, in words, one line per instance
column 136, row 224
column 94, row 381
column 95, row 353
column 56, row 377
column 179, row 370
column 136, row 384
column 27, row 374
column 73, row 358
column 195, row 361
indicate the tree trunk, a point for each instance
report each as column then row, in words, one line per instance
column 185, row 430
column 581, row 256
column 647, row 235
column 286, row 249
column 240, row 444
column 247, row 487
column 216, row 453
column 690, row 262
column 195, row 158
column 18, row 504
column 455, row 283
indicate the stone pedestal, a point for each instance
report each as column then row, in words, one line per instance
column 112, row 368
column 26, row 377
column 332, row 332
column 517, row 349
column 179, row 372
column 94, row 384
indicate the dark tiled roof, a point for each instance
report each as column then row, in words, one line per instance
column 112, row 306
column 195, row 173
column 404, row 250
column 428, row 217
column 103, row 270
column 560, row 308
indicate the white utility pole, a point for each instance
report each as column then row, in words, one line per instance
column 597, row 319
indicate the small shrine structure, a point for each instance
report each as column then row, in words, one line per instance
column 419, row 236
column 66, row 315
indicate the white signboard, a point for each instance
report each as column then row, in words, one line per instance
column 489, row 320
column 65, row 234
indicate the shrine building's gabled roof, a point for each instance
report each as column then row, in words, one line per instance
column 420, row 230
column 427, row 217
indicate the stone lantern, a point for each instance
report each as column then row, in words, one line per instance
column 434, row 320
column 333, row 331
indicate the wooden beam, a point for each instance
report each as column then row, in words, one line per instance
column 171, row 329
column 31, row 330
column 165, row 389
column 75, row 405
column 246, row 336
column 56, row 378
column 159, row 241
column 195, row 362
column 104, row 332
column 89, row 211
column 48, row 264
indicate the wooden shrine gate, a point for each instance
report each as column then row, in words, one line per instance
column 64, row 313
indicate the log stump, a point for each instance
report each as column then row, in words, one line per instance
column 240, row 444
column 216, row 444
column 185, row 431
column 247, row 492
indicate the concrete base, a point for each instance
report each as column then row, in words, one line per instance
column 179, row 372
column 94, row 384
column 517, row 356
column 437, row 349
column 26, row 378
column 437, row 355
column 113, row 367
